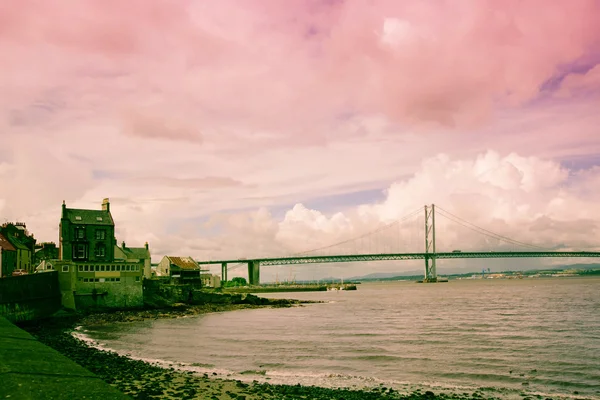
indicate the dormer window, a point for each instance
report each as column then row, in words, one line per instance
column 78, row 217
column 98, row 218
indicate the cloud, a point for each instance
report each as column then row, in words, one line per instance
column 577, row 83
column 156, row 126
column 192, row 117
column 290, row 69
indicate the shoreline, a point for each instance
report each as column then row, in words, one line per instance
column 143, row 380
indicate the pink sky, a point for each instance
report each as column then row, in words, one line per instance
column 252, row 128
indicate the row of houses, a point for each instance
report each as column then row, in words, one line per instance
column 93, row 270
column 19, row 250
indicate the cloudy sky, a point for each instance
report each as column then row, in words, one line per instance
column 225, row 129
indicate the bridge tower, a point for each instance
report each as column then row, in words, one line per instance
column 430, row 268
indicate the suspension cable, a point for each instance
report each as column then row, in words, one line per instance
column 398, row 221
column 483, row 231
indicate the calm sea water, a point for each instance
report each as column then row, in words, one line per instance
column 512, row 336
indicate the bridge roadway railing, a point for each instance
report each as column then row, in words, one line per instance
column 406, row 256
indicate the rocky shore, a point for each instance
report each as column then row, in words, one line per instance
column 142, row 380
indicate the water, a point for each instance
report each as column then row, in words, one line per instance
column 538, row 336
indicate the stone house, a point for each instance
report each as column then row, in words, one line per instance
column 90, row 276
column 180, row 269
column 87, row 235
column 8, row 257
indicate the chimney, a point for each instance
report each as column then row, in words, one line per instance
column 64, row 209
column 146, row 245
column 123, row 245
column 105, row 205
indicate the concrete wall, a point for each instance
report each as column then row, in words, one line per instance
column 29, row 297
column 31, row 370
column 127, row 293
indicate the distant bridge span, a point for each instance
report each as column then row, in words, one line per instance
column 254, row 264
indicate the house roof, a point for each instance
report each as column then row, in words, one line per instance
column 184, row 262
column 129, row 253
column 15, row 242
column 88, row 217
column 5, row 244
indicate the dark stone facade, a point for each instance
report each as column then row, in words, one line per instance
column 87, row 235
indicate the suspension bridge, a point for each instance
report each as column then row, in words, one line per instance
column 385, row 237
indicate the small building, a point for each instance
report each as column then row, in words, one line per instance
column 135, row 254
column 22, row 241
column 180, row 269
column 8, row 257
column 99, row 285
column 211, row 280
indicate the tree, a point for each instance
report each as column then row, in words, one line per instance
column 237, row 281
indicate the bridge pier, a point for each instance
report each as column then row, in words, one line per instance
column 223, row 273
column 430, row 269
column 253, row 272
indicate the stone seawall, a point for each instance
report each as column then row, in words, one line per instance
column 29, row 297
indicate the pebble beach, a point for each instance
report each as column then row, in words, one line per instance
column 143, row 380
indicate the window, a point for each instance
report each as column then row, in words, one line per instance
column 112, row 267
column 100, row 250
column 79, row 233
column 127, row 268
column 100, row 234
column 117, row 279
column 81, row 268
column 137, row 278
column 79, row 251
column 65, row 268
column 78, row 218
column 98, row 218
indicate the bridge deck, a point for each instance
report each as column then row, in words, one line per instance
column 404, row 256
